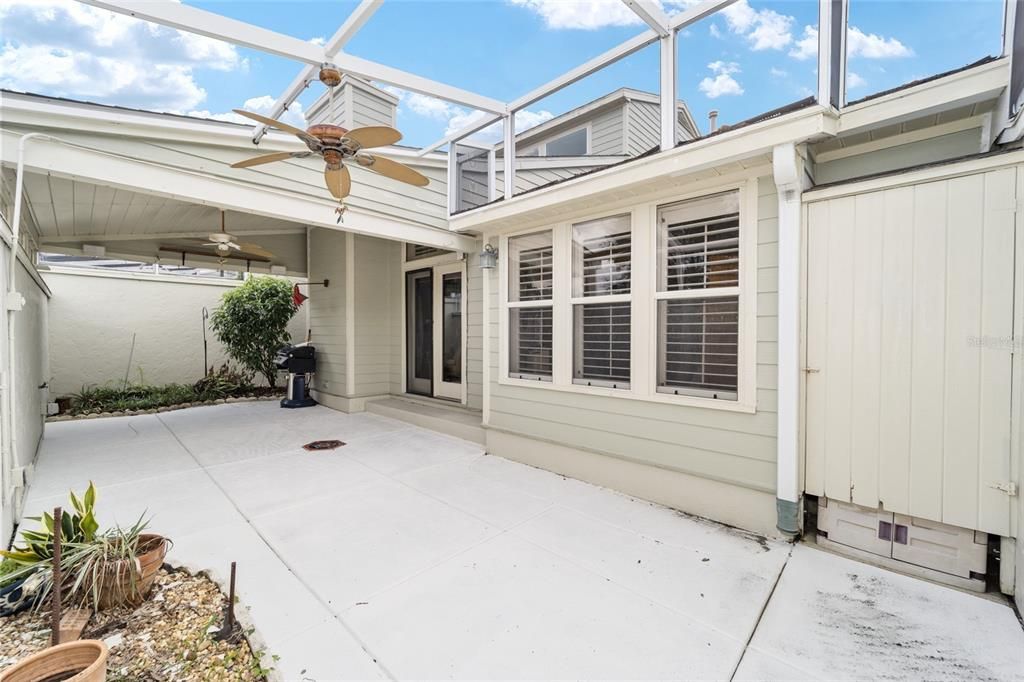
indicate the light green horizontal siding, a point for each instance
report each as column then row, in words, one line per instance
column 327, row 308
column 734, row 447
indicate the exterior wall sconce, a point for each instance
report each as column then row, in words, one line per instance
column 488, row 257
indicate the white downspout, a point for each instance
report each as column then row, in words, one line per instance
column 789, row 178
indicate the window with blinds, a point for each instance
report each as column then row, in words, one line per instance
column 698, row 297
column 700, row 344
column 530, row 289
column 601, row 274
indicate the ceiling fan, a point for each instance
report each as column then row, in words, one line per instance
column 225, row 245
column 336, row 145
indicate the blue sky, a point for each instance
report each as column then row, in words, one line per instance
column 754, row 57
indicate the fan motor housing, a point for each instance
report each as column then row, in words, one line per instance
column 327, row 133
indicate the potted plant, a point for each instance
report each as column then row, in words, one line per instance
column 116, row 568
column 81, row 661
column 24, row 580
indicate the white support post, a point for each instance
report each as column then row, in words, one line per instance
column 789, row 183
column 492, row 175
column 668, row 90
column 510, row 155
column 453, row 178
column 832, row 19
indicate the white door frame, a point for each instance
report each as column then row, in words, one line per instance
column 445, row 389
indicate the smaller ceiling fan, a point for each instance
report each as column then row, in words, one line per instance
column 336, row 145
column 225, row 245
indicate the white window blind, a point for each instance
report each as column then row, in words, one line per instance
column 602, row 271
column 698, row 297
column 530, row 289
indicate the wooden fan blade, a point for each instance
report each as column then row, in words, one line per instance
column 273, row 123
column 255, row 249
column 374, row 136
column 393, row 169
column 339, row 182
column 266, row 158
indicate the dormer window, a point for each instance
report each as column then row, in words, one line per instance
column 570, row 144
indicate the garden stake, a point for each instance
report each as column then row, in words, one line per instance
column 55, row 614
column 227, row 632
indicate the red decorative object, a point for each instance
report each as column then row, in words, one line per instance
column 297, row 296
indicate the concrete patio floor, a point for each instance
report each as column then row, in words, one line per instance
column 409, row 554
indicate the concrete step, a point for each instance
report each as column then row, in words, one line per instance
column 453, row 420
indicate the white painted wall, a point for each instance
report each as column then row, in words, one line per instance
column 26, row 422
column 93, row 316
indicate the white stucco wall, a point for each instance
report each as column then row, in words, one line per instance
column 93, row 316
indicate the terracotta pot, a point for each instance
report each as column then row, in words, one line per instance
column 81, row 661
column 124, row 583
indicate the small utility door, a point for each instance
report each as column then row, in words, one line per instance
column 419, row 332
column 910, row 321
column 449, row 330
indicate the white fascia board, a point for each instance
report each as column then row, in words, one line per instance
column 651, row 14
column 37, row 113
column 355, row 21
column 194, row 20
column 137, row 175
column 71, row 239
column 970, row 86
column 813, row 122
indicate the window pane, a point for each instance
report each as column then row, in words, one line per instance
column 529, row 267
column 601, row 257
column 451, row 328
column 699, row 244
column 601, row 338
column 572, row 144
column 698, row 350
column 529, row 344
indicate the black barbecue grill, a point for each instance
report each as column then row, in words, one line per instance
column 300, row 363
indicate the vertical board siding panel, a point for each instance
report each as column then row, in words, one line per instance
column 897, row 321
column 839, row 380
column 867, row 340
column 931, row 208
column 962, row 363
column 996, row 361
column 817, row 342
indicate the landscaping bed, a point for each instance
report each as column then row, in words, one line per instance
column 223, row 385
column 169, row 637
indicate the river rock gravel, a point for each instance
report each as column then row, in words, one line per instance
column 169, row 637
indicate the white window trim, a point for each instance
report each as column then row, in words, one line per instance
column 644, row 295
column 505, row 306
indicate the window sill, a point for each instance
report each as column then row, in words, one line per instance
column 629, row 394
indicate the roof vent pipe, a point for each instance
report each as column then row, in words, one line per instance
column 712, row 121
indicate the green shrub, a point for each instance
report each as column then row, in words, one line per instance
column 225, row 382
column 252, row 323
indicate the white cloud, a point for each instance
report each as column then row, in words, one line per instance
column 455, row 117
column 714, row 31
column 68, row 49
column 261, row 105
column 581, row 14
column 858, row 44
column 779, row 73
column 854, row 80
column 764, row 29
column 723, row 83
column 871, row 46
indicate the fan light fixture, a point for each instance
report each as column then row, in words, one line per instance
column 488, row 257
